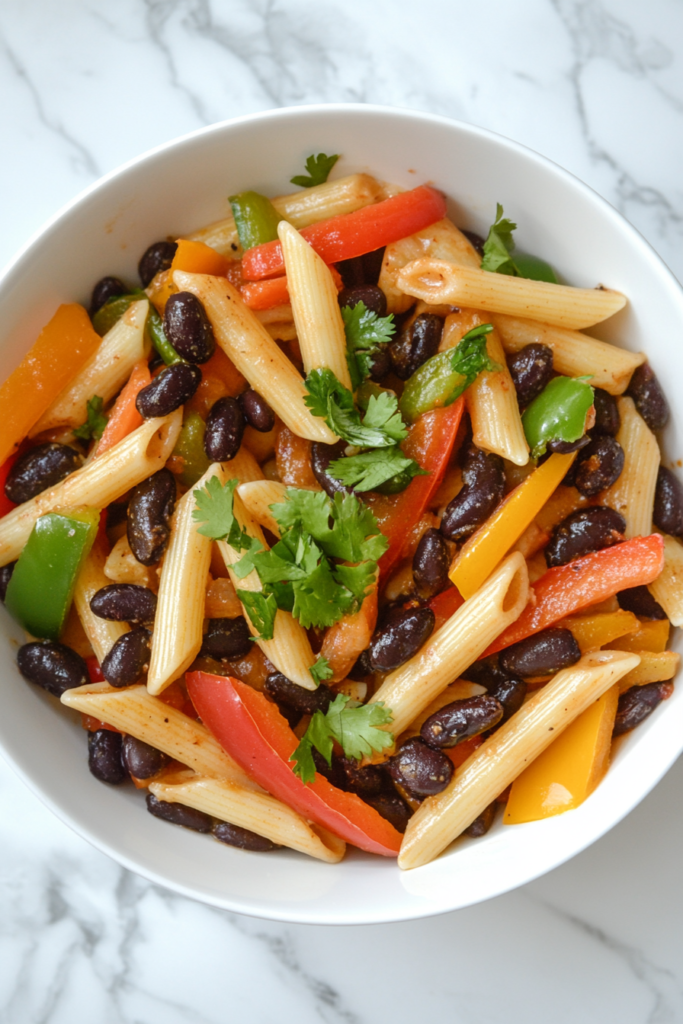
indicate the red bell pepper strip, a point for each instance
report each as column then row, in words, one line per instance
column 566, row 589
column 446, row 604
column 353, row 234
column 253, row 731
column 430, row 442
column 5, row 504
column 274, row 291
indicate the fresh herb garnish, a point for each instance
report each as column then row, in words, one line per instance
column 354, row 726
column 470, row 358
column 369, row 470
column 365, row 332
column 321, row 670
column 382, row 425
column 96, row 421
column 318, row 168
column 261, row 609
column 498, row 249
column 215, row 511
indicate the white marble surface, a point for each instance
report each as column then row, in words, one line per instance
column 598, row 87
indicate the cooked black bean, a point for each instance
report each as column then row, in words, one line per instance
column 156, row 258
column 482, row 824
column 361, row 270
column 542, row 654
column 149, row 516
column 430, row 564
column 486, row 672
column 365, row 781
column 668, row 509
column 531, row 369
column 105, row 759
column 421, row 770
column 401, row 638
column 141, row 760
column 117, row 513
column 392, row 808
column 334, row 772
column 179, row 814
column 483, row 487
column 416, row 344
column 646, row 392
column 188, row 328
column 53, row 666
column 256, row 410
column 599, row 465
column 39, row 468
column 227, row 638
column 5, row 576
column 321, row 457
column 638, row 703
column 284, row 691
column 380, row 365
column 370, row 295
column 242, row 838
column 565, row 447
column 510, row 693
column 169, row 390
column 105, row 289
column 224, row 430
column 477, row 240
column 640, row 601
column 362, row 667
column 128, row 657
column 124, row 602
column 607, row 418
column 586, row 530
column 460, row 720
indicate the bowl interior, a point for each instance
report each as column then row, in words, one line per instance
column 184, row 185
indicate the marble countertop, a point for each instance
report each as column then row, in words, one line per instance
column 597, row 85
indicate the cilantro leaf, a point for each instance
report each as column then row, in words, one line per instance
column 304, row 765
column 261, row 609
column 215, row 511
column 368, row 470
column 328, row 398
column 356, row 727
column 318, row 168
column 383, row 414
column 357, row 578
column 319, row 600
column 96, row 421
column 470, row 358
column 321, row 670
column 343, row 527
column 365, row 332
column 499, row 244
column 312, row 509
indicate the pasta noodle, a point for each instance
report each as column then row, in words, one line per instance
column 667, row 589
column 633, row 494
column 654, row 667
column 492, row 404
column 258, row 497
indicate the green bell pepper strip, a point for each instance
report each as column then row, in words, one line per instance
column 534, row 268
column 190, row 448
column 256, row 219
column 111, row 312
column 558, row 414
column 163, row 346
column 41, row 589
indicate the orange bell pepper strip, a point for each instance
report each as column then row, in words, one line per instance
column 274, row 291
column 482, row 552
column 601, row 630
column 124, row 417
column 63, row 346
column 566, row 589
column 195, row 258
column 648, row 635
column 353, row 234
column 255, row 734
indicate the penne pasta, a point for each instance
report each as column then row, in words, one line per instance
column 104, row 374
column 257, row 811
column 667, row 589
column 247, row 343
column 101, row 633
column 121, row 566
column 317, row 317
column 460, row 641
column 98, row 483
column 440, row 241
column 258, row 497
column 504, row 755
column 654, row 667
column 492, row 404
column 574, row 354
column 243, row 467
column 436, row 281
column 633, row 494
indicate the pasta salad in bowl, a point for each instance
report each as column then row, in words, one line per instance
column 338, row 515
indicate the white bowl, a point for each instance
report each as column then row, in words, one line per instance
column 183, row 185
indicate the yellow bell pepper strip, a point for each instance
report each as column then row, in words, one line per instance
column 650, row 635
column 479, row 556
column 569, row 769
column 40, row 591
column 194, row 258
column 592, row 632
column 63, row 346
column 654, row 668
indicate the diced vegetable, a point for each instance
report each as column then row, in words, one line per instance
column 648, row 635
column 594, row 631
column 190, row 448
column 194, row 258
column 256, row 219
column 5, row 504
column 558, row 414
column 274, row 291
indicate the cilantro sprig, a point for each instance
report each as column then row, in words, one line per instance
column 470, row 358
column 369, row 470
column 365, row 333
column 215, row 512
column 318, row 168
column 96, row 421
column 382, row 425
column 498, row 253
column 355, row 727
column 321, row 670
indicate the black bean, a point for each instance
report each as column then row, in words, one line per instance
column 124, row 602
column 105, row 756
column 416, row 344
column 179, row 814
column 668, row 508
column 306, row 702
column 380, row 365
column 256, row 411
column 361, row 270
column 5, row 576
column 156, row 258
column 421, row 770
column 510, row 693
column 105, row 289
column 392, row 808
column 128, row 657
column 607, row 418
column 321, row 457
column 366, row 781
column 646, row 392
column 566, row 447
column 430, row 564
column 482, row 824
column 598, row 466
column 242, row 838
column 483, row 488
column 401, row 638
column 169, row 390
column 362, row 667
column 149, row 516
column 227, row 638
column 486, row 672
column 188, row 328
column 334, row 772
column 586, row 530
column 460, row 720
column 640, row 601
column 141, row 760
column 542, row 654
column 531, row 369
column 117, row 513
column 53, row 666
column 224, row 430
column 638, row 703
column 370, row 295
column 39, row 468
